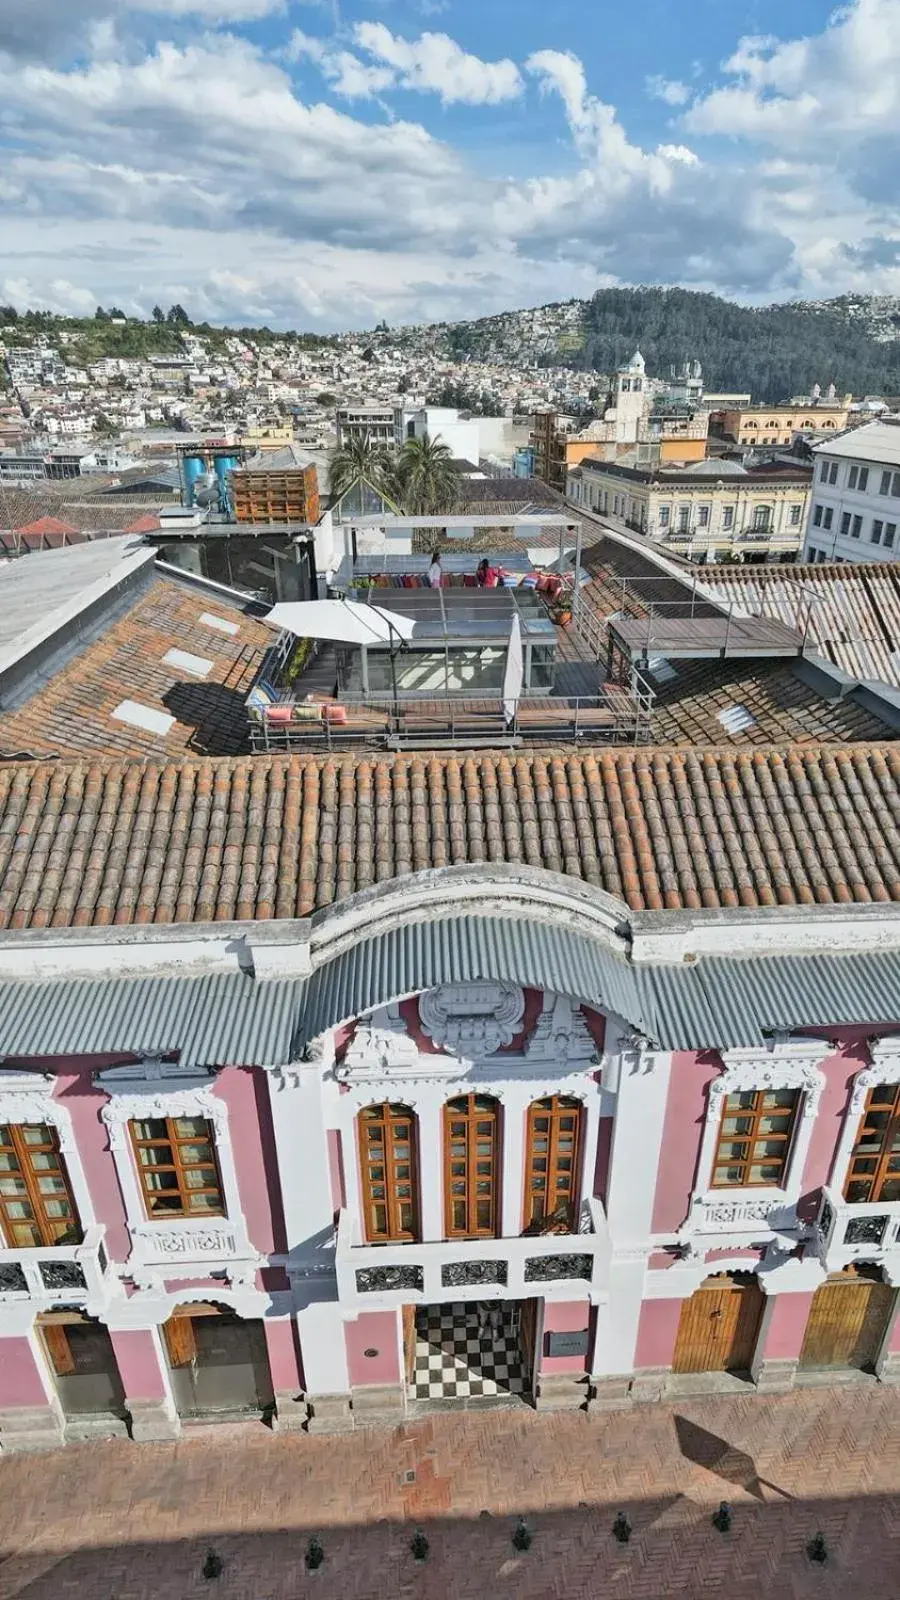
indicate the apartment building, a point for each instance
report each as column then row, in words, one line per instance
column 854, row 511
column 710, row 511
column 373, row 422
column 767, row 425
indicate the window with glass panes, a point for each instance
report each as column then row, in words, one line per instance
column 874, row 1171
column 551, row 1166
column 36, row 1204
column 177, row 1167
column 471, row 1155
column 755, row 1139
column 387, row 1163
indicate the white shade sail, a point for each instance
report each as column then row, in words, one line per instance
column 514, row 676
column 341, row 621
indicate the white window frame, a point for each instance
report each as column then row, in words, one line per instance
column 173, row 1247
column 27, row 1097
column 786, row 1066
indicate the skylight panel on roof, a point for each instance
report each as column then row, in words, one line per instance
column 736, row 719
column 221, row 624
column 197, row 666
column 145, row 717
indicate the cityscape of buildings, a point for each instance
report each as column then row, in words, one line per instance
column 447, row 959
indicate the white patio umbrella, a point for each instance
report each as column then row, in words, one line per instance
column 514, row 676
column 341, row 621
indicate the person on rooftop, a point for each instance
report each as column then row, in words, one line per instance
column 435, row 572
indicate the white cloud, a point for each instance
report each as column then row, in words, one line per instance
column 197, row 172
column 435, row 63
column 840, row 84
column 668, row 89
column 36, row 27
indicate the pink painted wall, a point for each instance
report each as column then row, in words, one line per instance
column 374, row 1330
column 743, row 1252
column 336, row 1169
column 138, row 1364
column 682, row 1131
column 282, row 1346
column 657, row 1332
column 565, row 1316
column 236, row 1086
column 786, row 1327
column 894, row 1339
column 20, row 1380
column 75, row 1090
column 604, row 1151
column 839, row 1069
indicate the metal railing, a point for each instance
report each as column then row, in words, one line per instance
column 50, row 1273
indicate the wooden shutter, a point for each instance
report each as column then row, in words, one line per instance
column 59, row 1350
column 181, row 1345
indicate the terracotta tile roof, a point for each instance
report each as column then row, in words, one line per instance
column 70, row 715
column 688, row 707
column 146, row 524
column 48, row 525
column 259, row 837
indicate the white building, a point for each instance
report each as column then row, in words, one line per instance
column 854, row 511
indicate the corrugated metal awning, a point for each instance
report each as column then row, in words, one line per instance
column 217, row 1020
column 233, row 1019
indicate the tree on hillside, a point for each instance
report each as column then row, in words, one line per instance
column 158, row 314
column 100, row 315
column 104, row 427
column 8, row 314
column 178, row 317
column 426, row 477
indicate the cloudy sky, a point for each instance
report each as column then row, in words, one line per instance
column 325, row 163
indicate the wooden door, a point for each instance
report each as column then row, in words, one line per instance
column 719, row 1326
column 847, row 1322
column 409, row 1341
column 528, row 1326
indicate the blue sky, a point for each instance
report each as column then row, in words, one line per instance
column 326, row 163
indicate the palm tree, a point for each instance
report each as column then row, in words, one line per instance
column 359, row 464
column 426, row 477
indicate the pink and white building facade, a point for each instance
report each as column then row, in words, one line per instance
column 644, row 1153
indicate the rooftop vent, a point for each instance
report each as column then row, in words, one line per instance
column 197, row 666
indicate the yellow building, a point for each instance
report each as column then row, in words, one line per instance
column 717, row 511
column 268, row 436
column 749, row 425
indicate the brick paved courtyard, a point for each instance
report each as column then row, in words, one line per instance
column 134, row 1522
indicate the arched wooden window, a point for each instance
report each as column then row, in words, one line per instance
column 471, row 1163
column 388, row 1166
column 551, row 1163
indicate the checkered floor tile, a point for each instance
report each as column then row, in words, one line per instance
column 459, row 1359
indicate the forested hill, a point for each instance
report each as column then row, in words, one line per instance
column 775, row 351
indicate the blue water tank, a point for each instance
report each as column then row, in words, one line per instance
column 224, row 465
column 193, row 469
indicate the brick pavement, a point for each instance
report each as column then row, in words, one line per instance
column 133, row 1522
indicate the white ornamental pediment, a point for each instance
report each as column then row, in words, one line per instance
column 472, row 1019
column 561, row 1034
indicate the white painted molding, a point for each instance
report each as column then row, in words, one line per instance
column 173, row 1247
column 472, row 1019
column 789, row 1065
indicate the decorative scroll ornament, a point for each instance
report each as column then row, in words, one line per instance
column 472, row 1019
column 380, row 1045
